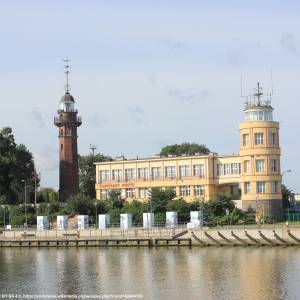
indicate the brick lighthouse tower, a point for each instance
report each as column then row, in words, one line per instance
column 67, row 121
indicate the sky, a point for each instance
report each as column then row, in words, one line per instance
column 145, row 74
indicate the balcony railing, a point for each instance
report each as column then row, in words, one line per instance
column 66, row 119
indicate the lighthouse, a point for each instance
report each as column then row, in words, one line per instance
column 67, row 122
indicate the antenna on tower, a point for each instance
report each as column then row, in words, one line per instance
column 67, row 71
column 258, row 93
column 93, row 148
column 272, row 86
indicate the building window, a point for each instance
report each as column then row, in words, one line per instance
column 274, row 187
column 129, row 174
column 259, row 138
column 104, row 194
column 226, row 169
column 170, row 171
column 199, row 190
column 234, row 168
column 155, row 172
column 199, row 171
column 61, row 132
column 246, row 166
column 274, row 165
column 245, row 139
column 143, row 193
column 117, row 175
column 247, row 187
column 260, row 187
column 219, row 170
column 272, row 138
column 260, row 165
column 142, row 173
column 130, row 193
column 104, row 175
column 185, row 191
column 184, row 171
column 61, row 146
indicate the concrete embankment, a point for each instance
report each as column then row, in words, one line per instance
column 205, row 236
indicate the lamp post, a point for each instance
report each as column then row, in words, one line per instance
column 96, row 208
column 25, row 200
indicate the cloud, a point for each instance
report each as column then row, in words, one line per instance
column 173, row 45
column 37, row 119
column 188, row 96
column 98, row 120
column 137, row 115
column 236, row 58
column 288, row 42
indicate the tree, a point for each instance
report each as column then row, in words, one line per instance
column 16, row 164
column 115, row 200
column 47, row 195
column 87, row 173
column 184, row 148
column 286, row 196
column 160, row 198
column 81, row 204
column 182, row 207
column 219, row 203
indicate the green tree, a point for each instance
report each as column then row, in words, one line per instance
column 184, row 148
column 159, row 199
column 87, row 173
column 16, row 164
column 47, row 195
column 81, row 204
column 286, row 195
column 114, row 199
column 219, row 203
column 182, row 207
column 136, row 208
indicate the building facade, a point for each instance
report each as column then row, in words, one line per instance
column 67, row 122
column 253, row 177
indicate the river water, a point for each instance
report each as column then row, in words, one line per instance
column 155, row 273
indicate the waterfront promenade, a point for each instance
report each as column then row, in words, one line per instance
column 264, row 235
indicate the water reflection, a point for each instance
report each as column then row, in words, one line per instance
column 157, row 273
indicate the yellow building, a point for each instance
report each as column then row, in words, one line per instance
column 253, row 177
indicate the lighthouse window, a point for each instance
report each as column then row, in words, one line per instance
column 61, row 132
column 259, row 138
column 61, row 147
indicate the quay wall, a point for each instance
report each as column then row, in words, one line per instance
column 202, row 236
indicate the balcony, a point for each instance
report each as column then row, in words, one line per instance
column 61, row 120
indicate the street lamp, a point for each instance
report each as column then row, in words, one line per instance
column 25, row 200
column 96, row 206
